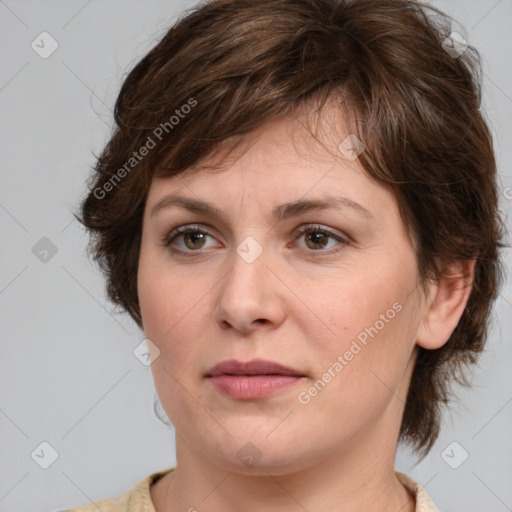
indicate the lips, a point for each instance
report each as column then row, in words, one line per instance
column 254, row 367
column 253, row 380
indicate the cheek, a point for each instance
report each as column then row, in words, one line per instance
column 357, row 307
column 174, row 311
column 373, row 322
column 359, row 380
column 172, row 320
column 164, row 299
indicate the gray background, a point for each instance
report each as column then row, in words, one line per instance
column 68, row 375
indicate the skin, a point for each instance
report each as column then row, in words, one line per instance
column 336, row 452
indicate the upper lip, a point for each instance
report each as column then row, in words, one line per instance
column 254, row 367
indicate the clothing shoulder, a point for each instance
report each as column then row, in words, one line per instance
column 423, row 501
column 136, row 499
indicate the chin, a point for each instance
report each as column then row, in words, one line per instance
column 252, row 451
column 276, row 461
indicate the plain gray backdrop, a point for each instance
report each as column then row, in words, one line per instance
column 68, row 375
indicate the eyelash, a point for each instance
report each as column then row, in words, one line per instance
column 310, row 228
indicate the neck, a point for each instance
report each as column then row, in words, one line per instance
column 348, row 480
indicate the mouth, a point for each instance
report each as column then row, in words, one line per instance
column 252, row 380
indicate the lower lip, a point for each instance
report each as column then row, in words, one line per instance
column 250, row 387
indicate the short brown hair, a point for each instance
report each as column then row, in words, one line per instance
column 237, row 64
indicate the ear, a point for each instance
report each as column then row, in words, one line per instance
column 446, row 303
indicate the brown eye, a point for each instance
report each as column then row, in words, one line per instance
column 317, row 240
column 194, row 239
column 186, row 239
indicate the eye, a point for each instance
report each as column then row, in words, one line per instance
column 193, row 238
column 318, row 238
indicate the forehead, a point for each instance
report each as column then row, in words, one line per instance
column 307, row 133
column 294, row 155
column 283, row 162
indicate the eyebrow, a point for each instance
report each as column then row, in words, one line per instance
column 279, row 213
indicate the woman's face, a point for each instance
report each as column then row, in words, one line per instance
column 265, row 276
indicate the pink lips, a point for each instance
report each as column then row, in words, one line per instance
column 252, row 380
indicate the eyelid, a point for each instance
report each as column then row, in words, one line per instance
column 318, row 227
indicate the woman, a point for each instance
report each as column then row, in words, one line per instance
column 298, row 207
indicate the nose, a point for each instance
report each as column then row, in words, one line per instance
column 250, row 295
